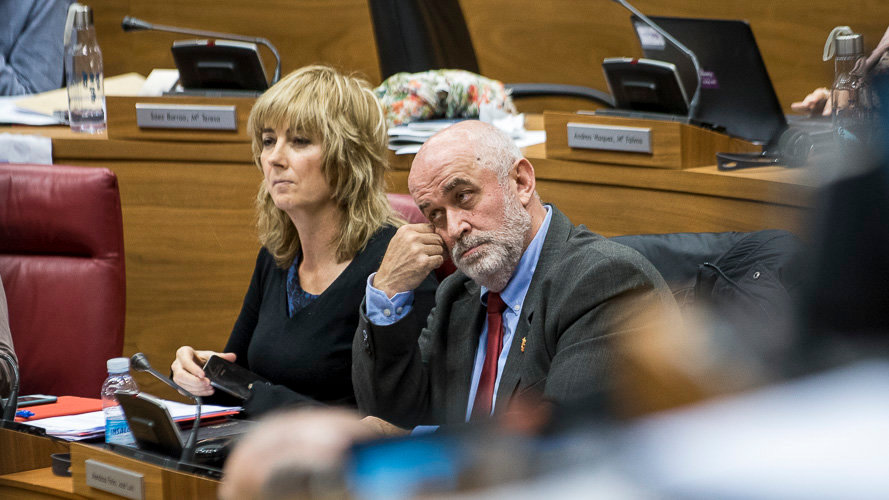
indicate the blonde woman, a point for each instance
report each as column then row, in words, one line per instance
column 324, row 222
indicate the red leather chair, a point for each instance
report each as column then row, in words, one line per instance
column 405, row 206
column 62, row 264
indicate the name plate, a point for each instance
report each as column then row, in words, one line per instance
column 115, row 480
column 187, row 116
column 609, row 137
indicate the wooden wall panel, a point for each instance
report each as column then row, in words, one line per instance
column 516, row 40
column 336, row 32
column 190, row 244
column 565, row 40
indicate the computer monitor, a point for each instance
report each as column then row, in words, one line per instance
column 736, row 92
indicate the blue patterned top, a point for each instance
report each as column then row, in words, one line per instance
column 297, row 298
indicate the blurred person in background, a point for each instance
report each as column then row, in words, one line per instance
column 32, row 45
column 5, row 345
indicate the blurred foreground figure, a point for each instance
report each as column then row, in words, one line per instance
column 295, row 454
column 846, row 312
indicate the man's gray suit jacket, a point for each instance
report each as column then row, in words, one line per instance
column 585, row 293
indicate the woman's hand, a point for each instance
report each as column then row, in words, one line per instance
column 187, row 371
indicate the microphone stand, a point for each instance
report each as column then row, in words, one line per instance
column 695, row 98
column 140, row 363
column 133, row 24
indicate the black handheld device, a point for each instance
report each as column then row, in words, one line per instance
column 229, row 377
column 34, row 400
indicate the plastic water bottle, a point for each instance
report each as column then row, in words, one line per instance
column 83, row 71
column 116, row 429
column 849, row 94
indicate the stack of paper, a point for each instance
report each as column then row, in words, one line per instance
column 92, row 424
column 407, row 139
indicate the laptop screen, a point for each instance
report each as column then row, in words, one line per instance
column 736, row 92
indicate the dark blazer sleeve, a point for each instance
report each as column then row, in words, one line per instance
column 589, row 316
column 388, row 374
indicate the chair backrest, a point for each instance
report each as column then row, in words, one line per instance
column 404, row 205
column 719, row 266
column 419, row 35
column 62, row 264
column 748, row 283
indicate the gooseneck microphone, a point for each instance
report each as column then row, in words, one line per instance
column 139, row 362
column 134, row 24
column 693, row 105
column 12, row 401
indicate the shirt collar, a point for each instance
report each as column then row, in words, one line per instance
column 518, row 285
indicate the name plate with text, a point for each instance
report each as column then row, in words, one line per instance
column 186, row 116
column 114, row 480
column 609, row 137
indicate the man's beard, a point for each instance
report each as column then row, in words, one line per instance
column 493, row 265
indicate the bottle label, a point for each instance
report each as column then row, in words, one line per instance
column 118, row 432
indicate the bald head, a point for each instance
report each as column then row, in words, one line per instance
column 478, row 192
column 485, row 144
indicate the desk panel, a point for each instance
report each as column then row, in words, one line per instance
column 615, row 210
column 36, row 484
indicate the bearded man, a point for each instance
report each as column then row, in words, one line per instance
column 533, row 310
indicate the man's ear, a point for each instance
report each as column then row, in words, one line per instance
column 526, row 183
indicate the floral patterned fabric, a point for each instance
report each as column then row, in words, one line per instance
column 443, row 93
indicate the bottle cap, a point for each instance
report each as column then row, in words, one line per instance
column 850, row 45
column 118, row 365
column 83, row 17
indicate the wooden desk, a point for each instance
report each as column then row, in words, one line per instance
column 191, row 245
column 26, row 472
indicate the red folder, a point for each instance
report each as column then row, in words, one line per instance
column 65, row 405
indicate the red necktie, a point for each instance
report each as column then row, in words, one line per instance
column 485, row 392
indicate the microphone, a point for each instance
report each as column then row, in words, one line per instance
column 139, row 362
column 12, row 402
column 133, row 24
column 693, row 105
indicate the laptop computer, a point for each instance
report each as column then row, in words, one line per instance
column 736, row 91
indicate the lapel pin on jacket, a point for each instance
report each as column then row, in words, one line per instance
column 523, row 343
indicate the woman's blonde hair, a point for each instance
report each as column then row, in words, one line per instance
column 343, row 113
